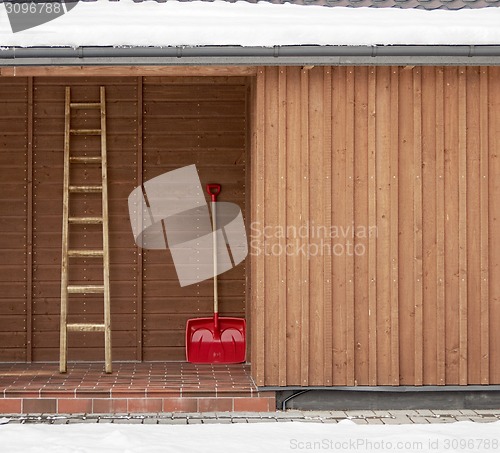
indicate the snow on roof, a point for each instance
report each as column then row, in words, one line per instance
column 262, row 24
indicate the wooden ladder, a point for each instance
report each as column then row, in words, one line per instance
column 67, row 253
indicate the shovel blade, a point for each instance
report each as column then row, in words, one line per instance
column 206, row 344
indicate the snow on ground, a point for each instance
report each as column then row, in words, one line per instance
column 197, row 23
column 345, row 436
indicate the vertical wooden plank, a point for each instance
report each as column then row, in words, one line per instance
column 494, row 221
column 429, row 257
column 462, row 227
column 327, row 222
column 473, row 225
column 140, row 264
column 258, row 264
column 372, row 222
column 293, row 200
column 440, row 231
column 317, row 231
column 394, row 227
column 29, row 226
column 383, row 192
column 340, row 126
column 417, row 224
column 361, row 318
column 452, row 198
column 484, row 222
column 282, row 221
column 304, row 189
column 349, row 220
column 406, row 228
column 272, row 256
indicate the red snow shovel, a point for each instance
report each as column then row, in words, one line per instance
column 215, row 340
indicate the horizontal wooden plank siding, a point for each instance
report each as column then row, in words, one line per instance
column 13, row 217
column 421, row 215
column 155, row 124
column 191, row 120
column 121, row 100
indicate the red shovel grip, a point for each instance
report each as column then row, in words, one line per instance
column 213, row 190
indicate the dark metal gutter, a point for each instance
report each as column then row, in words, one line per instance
column 237, row 55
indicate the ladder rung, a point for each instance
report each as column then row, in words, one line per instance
column 85, row 327
column 85, row 131
column 85, row 220
column 85, row 160
column 85, row 105
column 85, row 189
column 89, row 253
column 82, row 289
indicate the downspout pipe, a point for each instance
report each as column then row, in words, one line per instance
column 246, row 55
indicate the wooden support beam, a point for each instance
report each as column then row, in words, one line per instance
column 123, row 71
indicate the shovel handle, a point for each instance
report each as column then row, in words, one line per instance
column 213, row 190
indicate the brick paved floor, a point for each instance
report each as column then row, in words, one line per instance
column 361, row 417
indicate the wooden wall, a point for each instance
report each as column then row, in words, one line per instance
column 409, row 154
column 14, row 241
column 154, row 125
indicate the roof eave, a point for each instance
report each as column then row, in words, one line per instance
column 238, row 55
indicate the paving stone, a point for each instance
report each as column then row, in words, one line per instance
column 182, row 415
column 194, row 421
column 330, row 420
column 443, row 411
column 463, row 418
column 281, row 420
column 290, row 415
column 467, row 412
column 399, row 419
column 479, row 419
column 105, row 420
column 239, row 420
column 150, row 421
column 359, row 413
column 374, row 421
column 317, row 414
column 441, row 419
column 60, row 421
column 382, row 413
column 360, row 421
column 341, row 414
column 131, row 421
column 222, row 415
column 419, row 419
column 488, row 412
column 174, row 421
column 249, row 414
